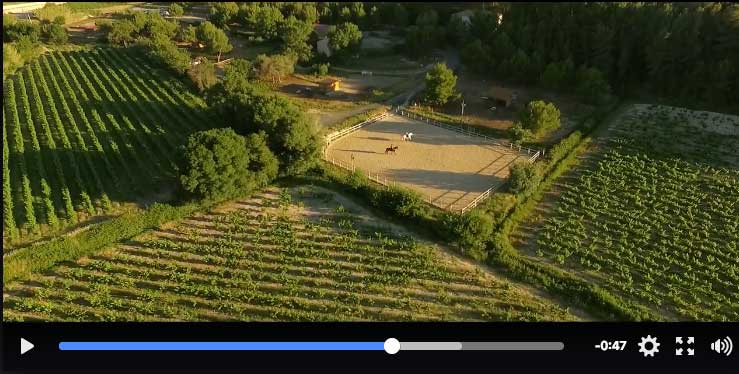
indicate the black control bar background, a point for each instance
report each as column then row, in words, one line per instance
column 579, row 340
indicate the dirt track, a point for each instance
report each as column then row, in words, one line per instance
column 449, row 168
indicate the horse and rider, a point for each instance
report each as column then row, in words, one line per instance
column 408, row 136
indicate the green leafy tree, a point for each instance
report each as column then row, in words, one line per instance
column 540, row 117
column 11, row 59
column 525, row 177
column 591, row 85
column 157, row 27
column 22, row 28
column 239, row 69
column 122, row 32
column 222, row 13
column 167, row 53
column 441, row 85
column 345, row 15
column 219, row 164
column 519, row 134
column 203, row 75
column 457, row 31
column 344, row 39
column 268, row 21
column 251, row 108
column 59, row 20
column 214, row 38
column 175, row 10
column 274, row 68
column 358, row 13
column 57, row 34
column 27, row 48
column 400, row 15
column 476, row 55
column 189, row 34
column 295, row 35
column 470, row 232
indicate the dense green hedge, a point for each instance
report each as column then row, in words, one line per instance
column 69, row 248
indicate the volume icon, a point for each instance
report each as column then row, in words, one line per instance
column 723, row 346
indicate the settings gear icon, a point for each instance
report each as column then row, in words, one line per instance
column 649, row 346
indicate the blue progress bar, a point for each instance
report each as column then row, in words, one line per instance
column 221, row 346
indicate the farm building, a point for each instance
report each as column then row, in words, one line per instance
column 501, row 94
column 329, row 85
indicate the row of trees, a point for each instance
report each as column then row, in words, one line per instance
column 291, row 26
column 686, row 50
column 156, row 35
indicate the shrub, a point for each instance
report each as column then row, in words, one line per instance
column 321, row 70
column 470, row 232
column 540, row 117
column 203, row 75
column 525, row 176
column 519, row 134
column 400, row 201
column 57, row 34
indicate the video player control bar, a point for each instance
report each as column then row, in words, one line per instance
column 390, row 346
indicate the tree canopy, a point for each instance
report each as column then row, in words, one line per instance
column 685, row 51
column 525, row 176
column 441, row 85
column 540, row 117
column 219, row 164
column 215, row 39
column 250, row 108
column 344, row 39
column 294, row 35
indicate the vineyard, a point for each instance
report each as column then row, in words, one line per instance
column 654, row 218
column 291, row 255
column 85, row 132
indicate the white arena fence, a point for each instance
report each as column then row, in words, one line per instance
column 332, row 137
column 460, row 129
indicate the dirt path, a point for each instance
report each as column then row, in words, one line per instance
column 329, row 118
column 317, row 208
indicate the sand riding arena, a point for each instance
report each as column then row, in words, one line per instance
column 449, row 168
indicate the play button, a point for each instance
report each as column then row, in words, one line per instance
column 26, row 346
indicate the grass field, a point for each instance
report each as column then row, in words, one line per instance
column 303, row 254
column 87, row 131
column 652, row 214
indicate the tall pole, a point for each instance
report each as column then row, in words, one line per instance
column 463, row 105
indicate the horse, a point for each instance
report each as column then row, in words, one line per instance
column 391, row 149
column 408, row 136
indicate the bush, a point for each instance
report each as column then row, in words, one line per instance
column 203, row 75
column 250, row 108
column 400, row 201
column 525, row 177
column 11, row 59
column 57, row 34
column 219, row 164
column 321, row 70
column 518, row 134
column 470, row 232
column 166, row 53
column 540, row 117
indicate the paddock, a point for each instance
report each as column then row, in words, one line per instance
column 450, row 169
